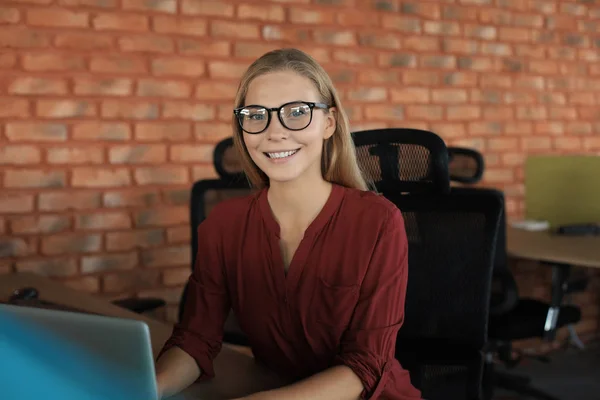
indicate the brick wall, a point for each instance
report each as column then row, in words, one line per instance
column 109, row 109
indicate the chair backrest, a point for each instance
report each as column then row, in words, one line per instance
column 452, row 241
column 465, row 165
column 226, row 161
column 399, row 160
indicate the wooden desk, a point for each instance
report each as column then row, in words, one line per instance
column 236, row 373
column 581, row 251
column 559, row 252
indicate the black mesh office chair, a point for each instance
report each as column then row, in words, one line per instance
column 465, row 165
column 443, row 352
column 513, row 317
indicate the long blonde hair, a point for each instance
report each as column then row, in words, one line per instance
column 338, row 163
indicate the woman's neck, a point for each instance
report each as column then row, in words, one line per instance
column 297, row 203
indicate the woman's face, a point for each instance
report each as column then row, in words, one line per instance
column 283, row 154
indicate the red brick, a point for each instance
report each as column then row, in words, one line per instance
column 35, row 132
column 447, row 96
column 512, row 159
column 234, row 30
column 533, row 113
column 216, row 48
column 117, row 64
column 108, row 262
column 567, row 143
column 100, row 177
column 63, row 201
column 166, row 6
column 138, row 154
column 213, row 8
column 64, row 108
column 84, row 41
column 379, row 40
column 579, row 128
column 378, row 76
column 40, row 224
column 463, row 113
column 425, row 112
column 120, row 22
column 210, row 90
column 212, row 131
column 37, row 86
column 134, row 239
column 155, row 88
column 165, row 175
column 147, row 44
column 180, row 26
column 23, row 37
column 56, row 17
column 176, row 276
column 550, row 128
column 52, row 62
column 444, row 28
column 34, row 178
column 159, row 131
column 536, row 143
column 188, row 111
column 106, row 4
column 288, row 33
column 163, row 216
column 170, row 66
column 103, row 221
column 9, row 15
column 498, row 113
column 591, row 143
column 261, row 12
column 103, row 87
column 53, row 267
column 311, row 16
column 368, row 94
column 15, row 247
column 421, row 44
column 89, row 284
column 207, row 171
column 117, row 109
column 496, row 81
column 498, row 175
column 75, row 155
column 484, row 128
column 502, row 144
column 449, row 129
column 19, row 155
column 131, row 198
column 134, row 280
column 252, row 50
column 543, row 67
column 384, row 112
column 179, row 234
column 177, row 197
column 71, row 243
column 187, row 153
column 401, row 23
column 166, row 257
column 530, row 82
column 101, row 131
column 8, row 60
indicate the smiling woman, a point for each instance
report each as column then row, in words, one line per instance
column 313, row 264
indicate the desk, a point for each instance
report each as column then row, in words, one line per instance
column 561, row 253
column 236, row 373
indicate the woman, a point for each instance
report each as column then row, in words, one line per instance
column 314, row 265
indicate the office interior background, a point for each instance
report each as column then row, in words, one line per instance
column 110, row 110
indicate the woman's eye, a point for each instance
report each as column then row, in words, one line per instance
column 256, row 117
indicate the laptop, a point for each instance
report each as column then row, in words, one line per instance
column 56, row 354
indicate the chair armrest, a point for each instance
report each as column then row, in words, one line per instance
column 505, row 294
column 140, row 305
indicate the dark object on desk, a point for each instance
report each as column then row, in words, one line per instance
column 25, row 293
column 451, row 240
column 578, row 229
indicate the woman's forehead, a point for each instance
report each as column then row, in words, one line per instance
column 276, row 88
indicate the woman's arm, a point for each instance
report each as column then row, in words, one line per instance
column 335, row 383
column 175, row 371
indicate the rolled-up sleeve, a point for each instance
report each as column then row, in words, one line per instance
column 207, row 304
column 368, row 346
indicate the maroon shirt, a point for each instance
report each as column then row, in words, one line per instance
column 340, row 303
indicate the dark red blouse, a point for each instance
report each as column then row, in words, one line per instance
column 340, row 303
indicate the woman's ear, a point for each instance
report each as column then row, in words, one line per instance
column 330, row 122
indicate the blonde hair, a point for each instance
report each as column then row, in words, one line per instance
column 338, row 163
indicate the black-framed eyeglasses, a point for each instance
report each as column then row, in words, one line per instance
column 295, row 116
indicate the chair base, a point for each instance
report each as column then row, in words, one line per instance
column 521, row 385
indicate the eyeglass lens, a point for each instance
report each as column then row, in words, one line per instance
column 294, row 116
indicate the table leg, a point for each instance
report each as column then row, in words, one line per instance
column 560, row 276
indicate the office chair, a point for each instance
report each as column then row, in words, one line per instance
column 451, row 250
column 205, row 195
column 512, row 317
column 410, row 167
column 465, row 165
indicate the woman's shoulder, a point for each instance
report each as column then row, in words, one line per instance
column 372, row 206
column 231, row 209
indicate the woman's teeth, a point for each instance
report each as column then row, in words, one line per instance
column 282, row 154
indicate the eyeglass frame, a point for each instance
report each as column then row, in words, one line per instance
column 310, row 104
